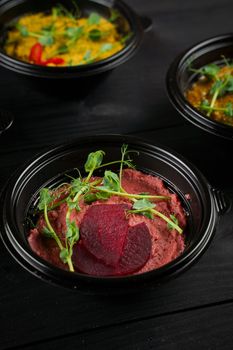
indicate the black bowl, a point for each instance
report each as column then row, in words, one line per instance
column 12, row 9
column 179, row 79
column 48, row 169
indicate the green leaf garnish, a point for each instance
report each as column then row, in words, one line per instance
column 94, row 18
column 47, row 233
column 64, row 255
column 106, row 47
column 229, row 109
column 143, row 207
column 22, row 29
column 45, row 198
column 210, row 71
column 92, row 197
column 143, row 204
column 217, row 87
column 74, row 33
column 95, row 34
column 111, row 181
column 87, row 55
column 62, row 49
column 72, row 233
column 94, row 160
column 204, row 105
column 46, row 40
column 76, row 186
column 72, row 205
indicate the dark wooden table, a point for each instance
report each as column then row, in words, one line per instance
column 194, row 311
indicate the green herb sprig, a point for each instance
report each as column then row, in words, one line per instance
column 227, row 109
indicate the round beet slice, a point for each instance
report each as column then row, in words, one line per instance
column 103, row 231
column 135, row 254
column 136, row 251
column 87, row 263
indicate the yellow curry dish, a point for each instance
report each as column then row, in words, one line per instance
column 64, row 38
column 212, row 92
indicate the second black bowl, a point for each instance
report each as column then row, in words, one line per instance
column 180, row 78
column 203, row 208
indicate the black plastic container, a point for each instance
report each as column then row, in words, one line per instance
column 179, row 78
column 203, row 209
column 12, row 9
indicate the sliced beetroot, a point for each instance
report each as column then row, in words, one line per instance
column 103, row 231
column 136, row 250
column 135, row 254
column 87, row 263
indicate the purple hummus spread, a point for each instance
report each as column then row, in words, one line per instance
column 114, row 238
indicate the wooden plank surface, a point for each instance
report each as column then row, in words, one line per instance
column 201, row 328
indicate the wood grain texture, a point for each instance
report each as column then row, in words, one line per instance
column 183, row 313
column 195, row 329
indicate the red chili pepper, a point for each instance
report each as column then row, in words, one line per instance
column 35, row 55
column 55, row 60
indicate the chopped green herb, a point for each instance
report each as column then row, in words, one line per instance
column 95, row 34
column 22, row 29
column 87, row 55
column 46, row 40
column 94, row 18
column 74, row 33
column 111, row 181
column 229, row 109
column 45, row 198
column 106, row 47
column 47, row 233
column 92, row 197
column 62, row 49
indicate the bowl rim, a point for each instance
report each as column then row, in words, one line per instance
column 108, row 63
column 36, row 265
column 176, row 95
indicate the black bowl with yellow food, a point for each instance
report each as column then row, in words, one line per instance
column 186, row 71
column 129, row 27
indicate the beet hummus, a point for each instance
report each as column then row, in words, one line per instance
column 116, row 234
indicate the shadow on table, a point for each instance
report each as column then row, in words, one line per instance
column 77, row 88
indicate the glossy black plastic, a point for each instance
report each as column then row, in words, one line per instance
column 180, row 77
column 49, row 169
column 11, row 9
